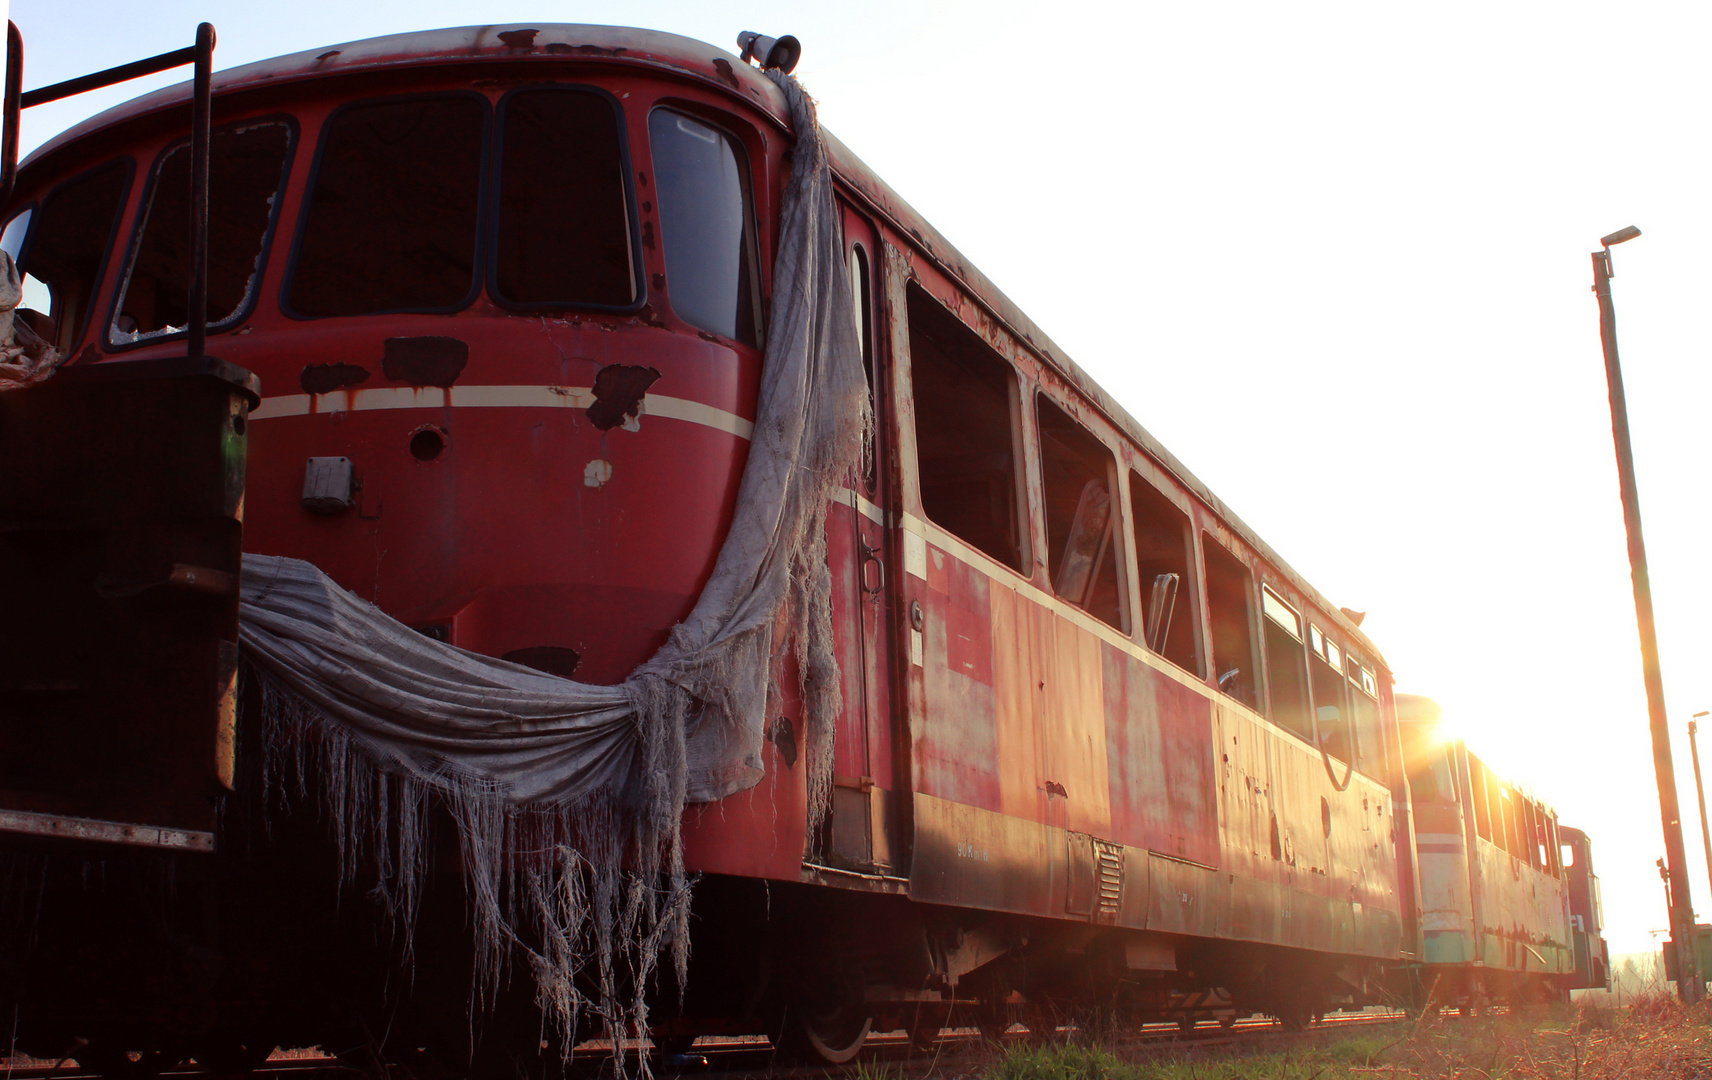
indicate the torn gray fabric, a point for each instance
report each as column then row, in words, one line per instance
column 567, row 796
column 25, row 359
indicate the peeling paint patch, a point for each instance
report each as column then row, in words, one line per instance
column 425, row 361
column 326, row 378
column 596, row 473
column 519, row 39
column 618, row 391
column 725, row 72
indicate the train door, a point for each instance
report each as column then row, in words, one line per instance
column 859, row 833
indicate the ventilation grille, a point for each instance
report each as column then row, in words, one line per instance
column 1108, row 878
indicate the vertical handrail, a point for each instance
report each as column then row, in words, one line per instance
column 12, row 108
column 200, row 120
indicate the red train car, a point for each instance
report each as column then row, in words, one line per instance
column 506, row 293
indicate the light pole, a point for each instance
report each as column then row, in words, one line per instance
column 1674, row 871
column 1700, row 791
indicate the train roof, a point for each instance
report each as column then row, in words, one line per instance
column 719, row 68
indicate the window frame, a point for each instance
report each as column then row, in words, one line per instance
column 1300, row 636
column 139, row 221
column 493, row 178
column 1189, row 591
column 306, row 203
column 128, row 163
column 1115, row 518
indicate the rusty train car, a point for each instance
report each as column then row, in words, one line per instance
column 489, row 307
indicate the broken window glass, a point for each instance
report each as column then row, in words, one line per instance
column 564, row 222
column 1162, row 539
column 701, row 180
column 965, row 400
column 1081, row 515
column 1230, row 592
column 246, row 169
column 66, row 248
column 391, row 219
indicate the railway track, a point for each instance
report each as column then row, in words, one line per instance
column 957, row 1050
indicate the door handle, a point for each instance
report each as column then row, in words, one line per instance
column 871, row 557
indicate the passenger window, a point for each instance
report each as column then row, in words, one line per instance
column 1482, row 813
column 1286, row 665
column 1162, row 538
column 564, row 221
column 391, row 220
column 1331, row 712
column 1230, row 591
column 701, row 179
column 1081, row 515
column 246, row 169
column 1370, row 747
column 965, row 400
column 66, row 248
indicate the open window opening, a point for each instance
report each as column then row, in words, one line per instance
column 1331, row 708
column 391, row 218
column 1077, row 478
column 1507, row 815
column 965, row 425
column 62, row 248
column 1286, row 666
column 563, row 232
column 701, row 179
column 246, row 169
column 1230, row 591
column 1477, row 782
column 1163, row 560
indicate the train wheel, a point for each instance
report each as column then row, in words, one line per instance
column 1227, row 1020
column 115, row 1064
column 1296, row 1016
column 994, row 1019
column 1186, row 1022
column 1041, row 1019
column 833, row 1034
column 235, row 1055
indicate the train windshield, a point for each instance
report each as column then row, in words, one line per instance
column 564, row 227
column 706, row 227
column 246, row 170
column 391, row 221
column 62, row 248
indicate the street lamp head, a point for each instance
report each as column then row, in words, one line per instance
column 1626, row 233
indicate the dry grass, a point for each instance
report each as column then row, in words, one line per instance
column 1653, row 1037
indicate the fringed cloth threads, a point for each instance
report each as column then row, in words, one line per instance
column 567, row 797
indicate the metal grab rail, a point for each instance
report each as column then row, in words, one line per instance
column 202, row 56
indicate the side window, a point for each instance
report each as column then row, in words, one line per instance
column 1077, row 475
column 1286, row 665
column 65, row 249
column 965, row 402
column 1230, row 591
column 563, row 232
column 701, row 179
column 1361, row 693
column 246, row 169
column 1507, row 817
column 1162, row 559
column 391, row 218
column 1326, row 680
column 861, row 295
column 1482, row 813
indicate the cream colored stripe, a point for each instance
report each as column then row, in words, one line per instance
column 494, row 397
column 857, row 502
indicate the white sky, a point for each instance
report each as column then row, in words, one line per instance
column 1335, row 256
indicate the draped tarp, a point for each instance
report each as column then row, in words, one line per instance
column 568, row 796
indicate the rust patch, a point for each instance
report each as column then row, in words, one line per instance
column 648, row 235
column 647, row 207
column 705, row 336
column 642, row 178
column 649, row 317
column 659, row 281
column 784, row 740
column 599, row 50
column 725, row 72
column 326, row 378
column 519, row 39
column 558, row 48
column 329, row 54
column 425, row 361
column 618, row 391
column 551, row 659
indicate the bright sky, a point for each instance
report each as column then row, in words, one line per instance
column 1335, row 256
